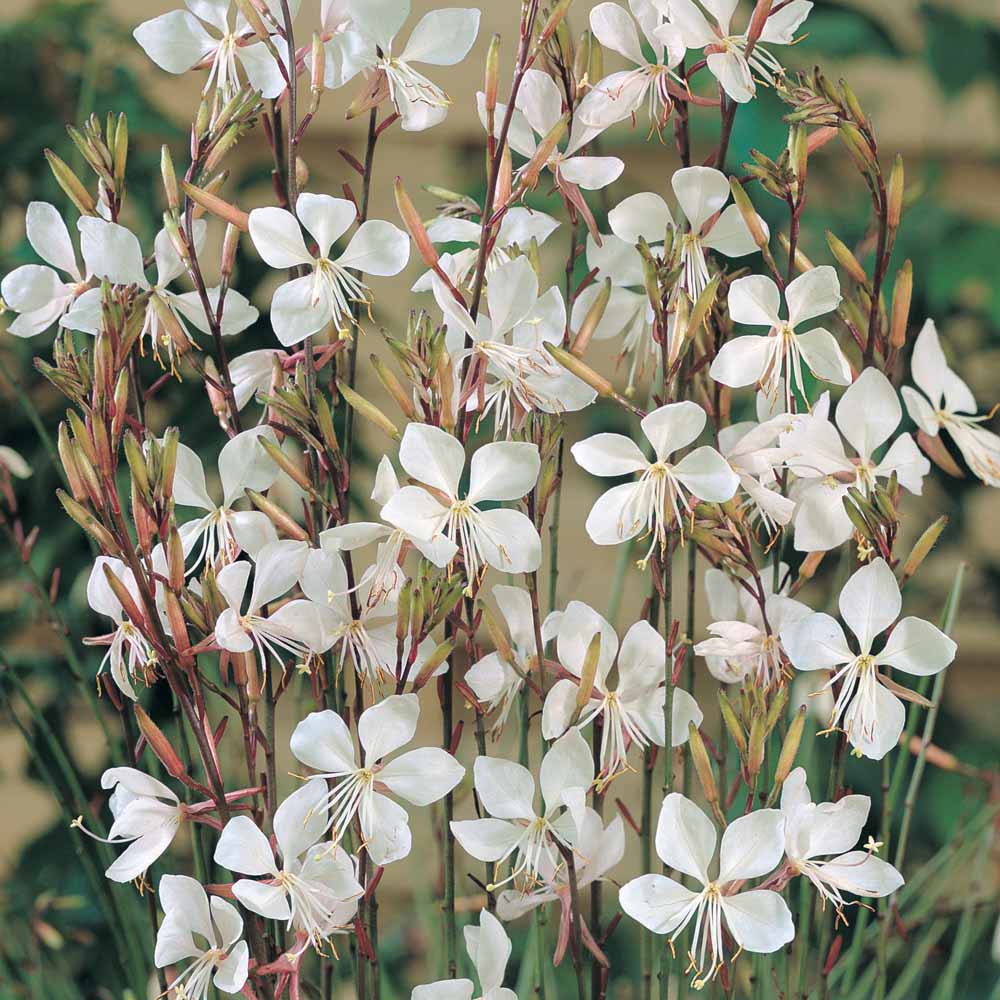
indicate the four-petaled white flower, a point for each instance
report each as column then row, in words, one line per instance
column 505, row 470
column 147, row 815
column 178, row 42
column 422, row 776
column 867, row 415
column 778, row 357
column 38, row 292
column 509, row 337
column 661, row 497
column 304, row 306
column 743, row 644
column 296, row 627
column 513, row 828
column 945, row 402
column 210, row 931
column 310, row 883
column 725, row 52
column 867, row 708
column 815, row 830
column 223, row 533
column 752, row 846
column 489, row 950
column 621, row 94
column 129, row 651
column 631, row 712
column 493, row 680
column 440, row 38
column 597, row 849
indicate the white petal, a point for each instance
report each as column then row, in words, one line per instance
column 591, row 172
column 111, row 251
column 755, row 300
column 615, row 29
column 907, row 461
column 511, row 295
column 673, row 426
column 617, row 515
column 279, row 566
column 577, row 627
column 752, row 845
column 733, row 73
column 243, row 848
column 613, row 99
column 323, row 742
column 176, row 41
column 422, row 776
column 515, row 606
column 701, row 191
column 443, row 37
column 707, row 474
column 918, row 647
column 644, row 215
column 378, row 247
column 504, row 470
column 559, row 707
column 232, row 583
column 278, row 238
column 268, row 900
column 486, row 839
column 300, row 821
column 230, row 634
column 295, row 314
column 823, row 355
column 243, row 464
column 870, row 602
column 446, row 989
column 540, row 101
column 816, row 642
column 861, row 873
column 49, row 237
column 417, row 514
column 512, row 544
column 830, row 827
column 685, row 837
column 568, row 765
column 814, row 293
column 262, row 69
column 615, row 259
column 432, row 456
column 505, row 789
column 742, row 361
column 891, row 715
column 227, row 920
column 326, row 218
column 231, row 975
column 780, row 27
column 821, row 523
column 760, row 920
column 730, row 235
column 140, row 854
column 32, row 287
column 612, row 454
column 489, row 948
column 869, row 412
column 930, row 371
column 379, row 19
column 388, row 837
column 388, row 725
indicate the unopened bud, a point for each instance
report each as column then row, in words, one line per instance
column 497, row 635
column 581, row 58
column 750, row 217
column 178, row 626
column 846, row 259
column 790, row 747
column 858, row 147
column 318, row 67
column 120, row 152
column 175, row 559
column 286, row 463
column 592, row 320
column 403, row 603
column 159, row 744
column 281, row 519
column 249, row 11
column 137, row 465
column 324, row 420
column 702, row 765
column 776, row 708
column 90, row 524
column 921, row 550
column 367, row 409
column 543, row 153
column 217, row 206
column 701, row 308
column 393, row 386
column 559, row 12
column 894, row 194
column 582, row 371
column 71, row 184
column 755, row 748
column 492, row 84
column 68, row 458
column 433, row 662
column 123, row 596
column 414, row 225
column 587, row 675
column 902, row 294
column 168, row 461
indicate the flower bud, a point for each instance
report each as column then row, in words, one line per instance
column 121, row 404
column 492, row 84
column 120, row 156
column 367, row 409
column 124, row 597
column 703, row 766
column 393, row 386
column 175, row 559
column 790, row 747
column 137, row 465
column 287, row 464
column 497, row 635
column 592, row 320
column 742, row 201
column 846, row 259
column 68, row 458
column 894, row 194
column 755, row 748
column 281, row 519
column 217, row 206
column 431, row 664
column 559, row 12
column 902, row 293
column 178, row 626
column 414, row 226
column 160, row 745
column 316, row 80
column 90, row 524
column 921, row 550
column 543, row 153
column 584, row 372
column 587, row 676
column 168, row 462
column 324, row 421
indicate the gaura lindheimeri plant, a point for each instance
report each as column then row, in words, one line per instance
column 367, row 538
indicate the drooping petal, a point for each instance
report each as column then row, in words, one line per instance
column 388, row 725
column 889, row 715
column 870, row 602
column 49, row 237
column 759, row 920
column 591, row 172
column 386, row 831
column 685, row 837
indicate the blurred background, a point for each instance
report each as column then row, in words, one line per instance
column 928, row 73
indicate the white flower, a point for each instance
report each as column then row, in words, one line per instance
column 814, row 830
column 178, row 42
column 507, row 792
column 868, row 414
column 519, row 226
column 946, row 404
column 489, row 949
column 313, row 886
column 253, row 372
column 758, row 919
column 37, row 292
column 621, row 94
column 384, row 578
column 725, row 52
column 296, row 627
column 303, row 306
column 742, row 644
column 440, row 38
column 422, row 776
column 223, row 533
column 660, row 498
column 146, row 812
column 632, row 711
column 867, row 707
column 537, row 111
column 597, row 849
column 129, row 652
column 506, row 470
column 220, row 955
column 14, row 463
column 509, row 336
column 766, row 360
column 494, row 681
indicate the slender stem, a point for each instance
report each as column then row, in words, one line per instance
column 666, row 580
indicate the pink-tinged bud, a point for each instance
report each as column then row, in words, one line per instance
column 433, row 662
column 733, row 725
column 758, row 19
column 505, row 177
column 592, row 320
column 755, row 747
column 742, row 201
column 253, row 18
column 175, row 559
column 301, row 172
column 588, row 674
column 544, row 152
column 281, row 519
column 790, row 747
column 68, row 458
column 935, row 450
column 120, row 404
column 217, row 206
column 89, row 523
column 178, row 626
column 414, row 226
column 374, row 92
column 392, row 385
column 492, row 84
column 703, row 766
column 318, row 66
column 902, row 293
column 230, row 244
column 160, row 745
column 124, row 597
column 555, row 19
column 216, row 397
column 287, row 464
